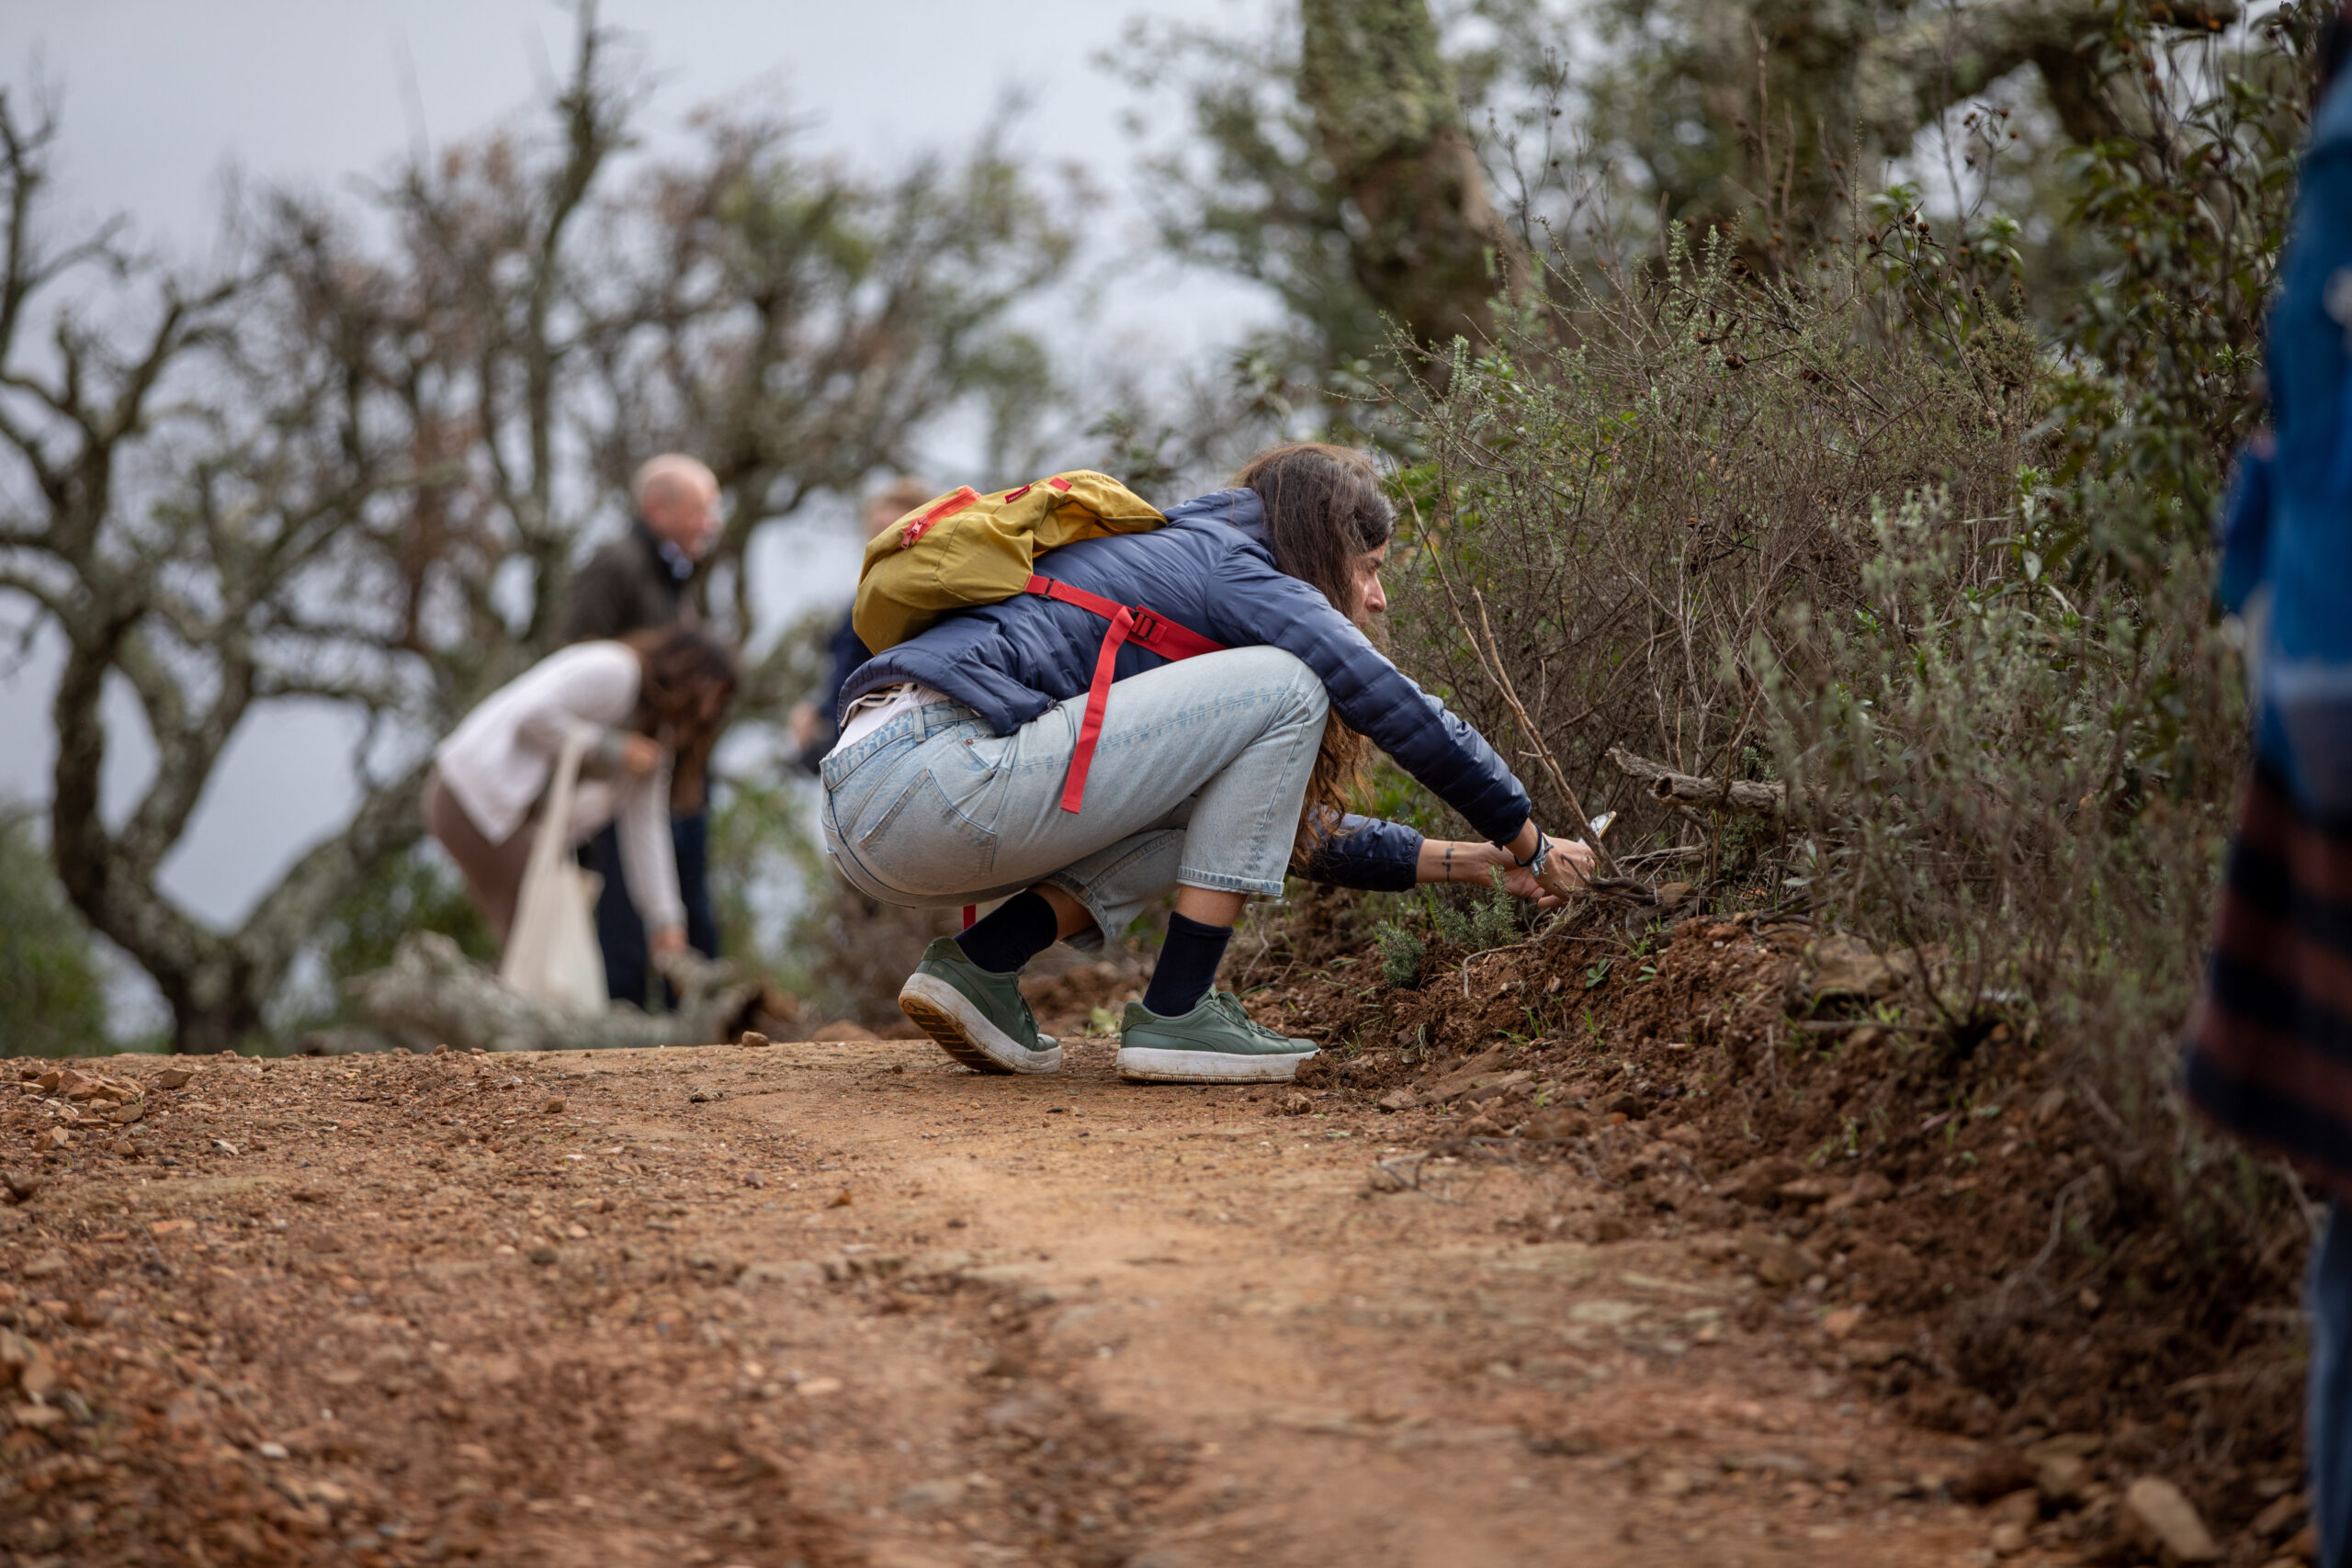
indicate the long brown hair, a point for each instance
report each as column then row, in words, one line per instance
column 1324, row 510
column 682, row 667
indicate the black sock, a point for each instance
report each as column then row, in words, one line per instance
column 1010, row 935
column 1188, row 962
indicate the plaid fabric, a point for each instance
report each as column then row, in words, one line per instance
column 2269, row 1046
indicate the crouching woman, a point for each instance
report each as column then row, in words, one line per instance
column 1213, row 774
column 642, row 706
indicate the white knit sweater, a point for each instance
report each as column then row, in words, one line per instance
column 498, row 763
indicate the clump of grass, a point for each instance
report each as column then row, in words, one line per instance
column 1400, row 955
column 1478, row 924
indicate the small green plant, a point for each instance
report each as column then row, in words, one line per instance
column 1479, row 923
column 1596, row 974
column 1400, row 955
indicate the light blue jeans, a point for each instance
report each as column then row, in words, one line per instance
column 1198, row 779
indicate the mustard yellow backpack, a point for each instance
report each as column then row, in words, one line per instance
column 966, row 548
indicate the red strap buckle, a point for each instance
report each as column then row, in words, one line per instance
column 1128, row 624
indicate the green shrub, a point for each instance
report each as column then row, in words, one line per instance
column 1400, row 955
column 52, row 998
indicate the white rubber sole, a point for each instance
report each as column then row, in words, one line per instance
column 944, row 1013
column 1146, row 1064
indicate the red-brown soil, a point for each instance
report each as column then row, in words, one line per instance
column 856, row 1305
column 1938, row 1222
column 1618, row 1285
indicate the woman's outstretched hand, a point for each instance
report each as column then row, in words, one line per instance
column 1563, row 874
column 1566, row 869
column 1469, row 861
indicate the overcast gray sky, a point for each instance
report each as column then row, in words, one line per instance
column 161, row 97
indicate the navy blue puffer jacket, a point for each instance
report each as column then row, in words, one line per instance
column 1210, row 569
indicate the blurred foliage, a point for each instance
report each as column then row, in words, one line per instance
column 52, row 997
column 1898, row 521
column 356, row 454
column 417, row 890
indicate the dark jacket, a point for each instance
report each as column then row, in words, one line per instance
column 631, row 585
column 1211, row 570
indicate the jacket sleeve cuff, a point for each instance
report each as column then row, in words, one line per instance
column 1368, row 853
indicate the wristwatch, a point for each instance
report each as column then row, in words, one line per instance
column 1540, row 858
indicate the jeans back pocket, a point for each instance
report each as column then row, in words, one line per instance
column 921, row 843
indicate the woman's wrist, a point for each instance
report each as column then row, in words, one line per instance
column 1459, row 860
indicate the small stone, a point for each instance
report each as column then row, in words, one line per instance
column 576, row 1231
column 1999, row 1471
column 175, row 1077
column 817, row 1388
column 703, row 1096
column 29, row 1363
column 48, row 1263
column 271, row 1451
column 1558, row 1123
column 21, row 1186
column 542, row 1255
column 36, row 1415
column 839, row 1200
column 2021, row 1508
column 1777, row 1259
column 926, row 1496
column 754, row 1178
column 2060, row 1476
column 1380, row 1178
column 2281, row 1515
column 553, row 1106
column 2006, row 1539
column 170, row 1227
column 752, row 1040
column 1841, row 1323
column 50, row 1138
column 2155, row 1515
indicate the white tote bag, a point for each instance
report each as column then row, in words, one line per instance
column 551, row 954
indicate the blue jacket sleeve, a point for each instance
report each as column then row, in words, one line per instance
column 1366, row 853
column 2243, row 528
column 1258, row 605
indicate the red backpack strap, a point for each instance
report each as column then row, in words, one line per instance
column 1136, row 625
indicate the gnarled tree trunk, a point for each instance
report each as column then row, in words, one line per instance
column 1431, row 248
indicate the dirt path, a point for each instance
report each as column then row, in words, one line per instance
column 826, row 1304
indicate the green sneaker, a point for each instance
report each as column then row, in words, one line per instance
column 981, row 1019
column 1215, row 1043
